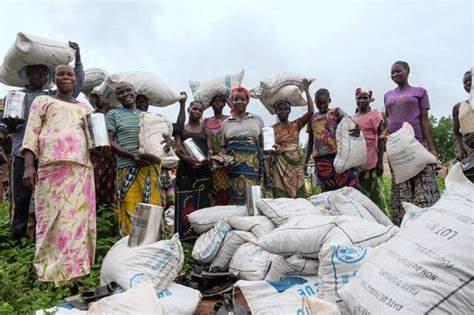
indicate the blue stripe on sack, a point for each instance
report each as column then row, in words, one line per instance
column 227, row 85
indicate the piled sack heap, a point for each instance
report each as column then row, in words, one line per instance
column 338, row 252
column 335, row 253
column 146, row 271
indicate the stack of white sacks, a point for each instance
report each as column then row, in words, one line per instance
column 302, row 255
column 148, row 268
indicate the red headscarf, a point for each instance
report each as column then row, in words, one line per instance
column 234, row 91
column 240, row 89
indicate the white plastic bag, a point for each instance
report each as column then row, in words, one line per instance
column 457, row 184
column 204, row 219
column 141, row 299
column 152, row 129
column 32, row 50
column 290, row 93
column 306, row 235
column 338, row 265
column 322, row 199
column 342, row 205
column 367, row 203
column 258, row 225
column 159, row 262
column 204, row 91
column 250, row 262
column 179, row 299
column 351, row 196
column 351, row 151
column 282, row 267
column 412, row 212
column 208, row 243
column 425, row 268
column 279, row 297
column 158, row 93
column 280, row 210
column 272, row 84
column 93, row 77
column 232, row 241
column 406, row 155
column 318, row 306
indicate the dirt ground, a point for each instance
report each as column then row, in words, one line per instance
column 206, row 306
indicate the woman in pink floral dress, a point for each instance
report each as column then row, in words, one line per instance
column 64, row 184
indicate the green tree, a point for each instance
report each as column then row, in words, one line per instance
column 443, row 137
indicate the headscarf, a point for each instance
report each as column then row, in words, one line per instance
column 240, row 89
column 282, row 102
column 359, row 91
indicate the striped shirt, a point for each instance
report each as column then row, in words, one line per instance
column 126, row 126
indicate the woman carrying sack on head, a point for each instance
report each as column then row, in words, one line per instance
column 241, row 139
column 410, row 104
column 285, row 164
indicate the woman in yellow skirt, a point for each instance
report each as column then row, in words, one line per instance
column 137, row 178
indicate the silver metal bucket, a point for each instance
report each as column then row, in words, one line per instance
column 96, row 131
column 252, row 195
column 194, row 150
column 15, row 105
column 146, row 224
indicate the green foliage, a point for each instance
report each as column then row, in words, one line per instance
column 188, row 259
column 443, row 137
column 387, row 187
column 20, row 292
column 313, row 189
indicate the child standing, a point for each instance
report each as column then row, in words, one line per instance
column 322, row 145
column 370, row 123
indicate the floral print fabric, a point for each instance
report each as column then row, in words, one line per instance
column 65, row 221
column 65, row 193
column 55, row 131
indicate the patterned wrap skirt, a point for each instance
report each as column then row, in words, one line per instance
column 65, row 221
column 246, row 169
column 329, row 180
column 136, row 185
column 421, row 190
column 193, row 190
column 285, row 171
column 104, row 175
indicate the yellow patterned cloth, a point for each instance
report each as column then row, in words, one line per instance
column 220, row 179
column 136, row 185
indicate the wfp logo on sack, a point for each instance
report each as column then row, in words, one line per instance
column 138, row 278
column 282, row 285
column 349, row 254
